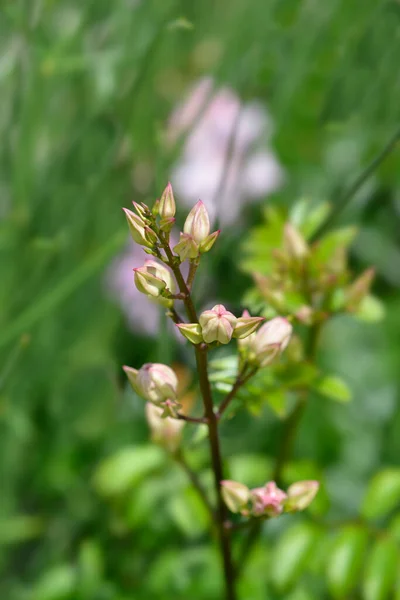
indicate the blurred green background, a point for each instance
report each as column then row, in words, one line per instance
column 89, row 510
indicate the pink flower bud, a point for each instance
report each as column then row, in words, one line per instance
column 270, row 340
column 268, row 500
column 187, row 248
column 137, row 228
column 217, row 324
column 245, row 326
column 295, row 245
column 154, row 279
column 167, row 207
column 191, row 331
column 209, row 242
column 359, row 289
column 300, row 495
column 154, row 382
column 235, row 495
column 197, row 223
column 166, row 432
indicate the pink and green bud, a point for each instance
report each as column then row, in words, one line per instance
column 267, row 501
column 151, row 236
column 209, row 242
column 359, row 289
column 167, row 207
column 197, row 223
column 300, row 495
column 245, row 326
column 147, row 283
column 191, row 331
column 235, row 495
column 166, row 432
column 270, row 340
column 156, row 208
column 186, row 248
column 155, row 382
column 295, row 245
column 217, row 324
column 155, row 280
column 137, row 228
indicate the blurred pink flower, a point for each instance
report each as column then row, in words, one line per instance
column 225, row 160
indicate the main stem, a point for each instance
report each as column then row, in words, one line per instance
column 222, row 514
column 224, row 534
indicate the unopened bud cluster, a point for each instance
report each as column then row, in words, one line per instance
column 151, row 227
column 263, row 346
column 311, row 281
column 269, row 500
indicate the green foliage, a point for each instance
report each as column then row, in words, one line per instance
column 89, row 510
column 382, row 495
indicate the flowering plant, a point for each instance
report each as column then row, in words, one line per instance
column 260, row 344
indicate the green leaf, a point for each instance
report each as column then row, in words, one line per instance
column 291, row 554
column 56, row 584
column 394, row 528
column 333, row 387
column 277, row 400
column 119, row 472
column 329, row 244
column 189, row 513
column 383, row 494
column 370, row 310
column 380, row 571
column 91, row 567
column 345, row 561
column 20, row 528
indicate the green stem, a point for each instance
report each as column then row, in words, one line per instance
column 181, row 460
column 342, row 202
column 241, row 380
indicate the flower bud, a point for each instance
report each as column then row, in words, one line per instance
column 295, row 245
column 191, row 331
column 166, row 432
column 186, row 248
column 209, row 242
column 245, row 326
column 167, row 224
column 147, row 283
column 268, row 500
column 151, row 236
column 154, row 382
column 270, row 340
column 154, row 279
column 359, row 289
column 217, row 324
column 300, row 495
column 235, row 495
column 167, row 207
column 141, row 210
column 197, row 223
column 137, row 228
